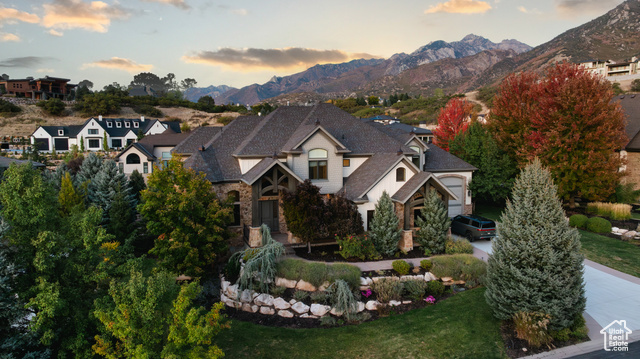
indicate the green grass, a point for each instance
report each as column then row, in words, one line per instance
column 488, row 211
column 459, row 327
column 613, row 253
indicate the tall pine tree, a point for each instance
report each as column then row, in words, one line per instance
column 102, row 189
column 385, row 232
column 90, row 167
column 536, row 265
column 434, row 224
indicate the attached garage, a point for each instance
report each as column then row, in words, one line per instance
column 61, row 144
column 42, row 144
column 455, row 185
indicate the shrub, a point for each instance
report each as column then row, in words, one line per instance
column 52, row 106
column 387, row 289
column 343, row 218
column 453, row 246
column 415, row 288
column 626, row 193
column 434, row 288
column 328, row 321
column 225, row 120
column 148, row 110
column 460, row 267
column 434, row 223
column 532, row 327
column 319, row 297
column 277, row 291
column 616, row 211
column 342, row 299
column 384, row 226
column 6, row 106
column 185, row 127
column 357, row 247
column 402, row 267
column 317, row 273
column 426, row 264
column 300, row 295
column 578, row 221
column 598, row 225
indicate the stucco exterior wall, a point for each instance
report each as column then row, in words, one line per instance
column 129, row 168
column 247, row 163
column 354, row 163
column 334, row 163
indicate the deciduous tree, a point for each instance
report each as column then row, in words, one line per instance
column 304, row 211
column 452, row 120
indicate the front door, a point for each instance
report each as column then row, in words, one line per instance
column 269, row 214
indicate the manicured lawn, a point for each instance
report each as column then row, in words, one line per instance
column 612, row 253
column 459, row 327
column 490, row 212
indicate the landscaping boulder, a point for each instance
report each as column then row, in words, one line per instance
column 267, row 310
column 264, row 300
column 335, row 312
column 360, row 307
column 246, row 296
column 292, row 301
column 324, row 286
column 319, row 309
column 224, row 285
column 429, row 277
column 232, row 291
column 629, row 235
column 300, row 308
column 287, row 283
column 281, row 304
column 372, row 305
column 302, row 285
column 394, row 303
column 446, row 279
column 406, row 302
column 285, row 314
column 308, row 316
column 249, row 308
column 229, row 302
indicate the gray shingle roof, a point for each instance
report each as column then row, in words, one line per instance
column 5, row 162
column 368, row 174
column 196, row 138
column 263, row 166
column 414, row 183
column 439, row 160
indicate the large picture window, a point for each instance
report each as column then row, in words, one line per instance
column 93, row 143
column 318, row 164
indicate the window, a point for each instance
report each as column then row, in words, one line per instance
column 145, row 167
column 116, row 143
column 133, row 159
column 318, row 168
column 127, row 124
column 346, row 163
column 400, row 174
column 234, row 196
column 109, row 124
column 166, row 156
column 136, row 125
column 94, row 143
column 121, row 167
column 416, row 158
column 93, row 131
column 369, row 219
column 118, row 124
column 60, row 132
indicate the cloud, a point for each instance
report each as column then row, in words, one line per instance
column 10, row 15
column 76, row 14
column 177, row 3
column 241, row 12
column 252, row 59
column 53, row 32
column 48, row 71
column 26, row 62
column 573, row 8
column 460, row 7
column 118, row 63
column 6, row 37
column 523, row 9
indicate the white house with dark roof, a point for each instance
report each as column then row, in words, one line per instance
column 254, row 158
column 120, row 133
column 150, row 151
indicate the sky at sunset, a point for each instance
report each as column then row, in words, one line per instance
column 238, row 43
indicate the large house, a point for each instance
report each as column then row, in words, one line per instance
column 393, row 123
column 152, row 150
column 38, row 89
column 254, row 158
column 120, row 132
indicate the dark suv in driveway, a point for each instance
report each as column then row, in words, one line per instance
column 473, row 227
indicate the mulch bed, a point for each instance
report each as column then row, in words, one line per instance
column 329, row 253
column 518, row 348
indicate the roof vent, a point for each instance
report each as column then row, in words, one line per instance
column 400, row 152
column 141, row 118
column 100, row 118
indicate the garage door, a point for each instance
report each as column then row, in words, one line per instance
column 42, row 144
column 454, row 184
column 61, row 144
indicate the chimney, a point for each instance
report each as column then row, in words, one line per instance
column 259, row 114
column 141, row 118
column 400, row 152
column 201, row 149
column 100, row 118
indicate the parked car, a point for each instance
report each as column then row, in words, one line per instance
column 473, row 227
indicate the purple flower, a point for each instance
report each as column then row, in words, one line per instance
column 430, row 299
column 367, row 294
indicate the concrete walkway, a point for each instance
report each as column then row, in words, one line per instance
column 611, row 295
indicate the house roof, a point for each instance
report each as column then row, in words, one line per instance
column 262, row 167
column 631, row 107
column 148, row 143
column 5, row 162
column 439, row 160
column 414, row 183
column 368, row 174
column 197, row 138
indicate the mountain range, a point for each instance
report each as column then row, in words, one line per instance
column 457, row 66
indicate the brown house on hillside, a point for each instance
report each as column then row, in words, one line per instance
column 38, row 89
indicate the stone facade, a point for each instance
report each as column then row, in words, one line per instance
column 632, row 170
column 223, row 190
column 406, row 242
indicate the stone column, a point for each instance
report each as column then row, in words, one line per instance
column 255, row 237
column 406, row 242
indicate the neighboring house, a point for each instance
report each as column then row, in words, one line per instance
column 5, row 162
column 623, row 68
column 38, row 89
column 120, row 133
column 596, row 66
column 613, row 70
column 149, row 151
column 631, row 107
column 142, row 91
column 254, row 158
column 422, row 133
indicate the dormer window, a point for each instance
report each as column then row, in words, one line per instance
column 109, row 124
column 118, row 124
column 416, row 158
column 400, row 174
column 136, row 125
column 318, row 164
column 60, row 132
column 127, row 124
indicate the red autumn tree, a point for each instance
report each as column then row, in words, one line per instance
column 569, row 121
column 452, row 120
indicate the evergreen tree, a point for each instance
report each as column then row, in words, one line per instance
column 68, row 197
column 536, row 264
column 136, row 184
column 385, row 232
column 105, row 143
column 82, row 144
column 121, row 215
column 434, row 224
column 90, row 167
column 102, row 190
column 54, row 178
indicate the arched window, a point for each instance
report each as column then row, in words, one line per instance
column 400, row 172
column 133, row 159
column 318, row 164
